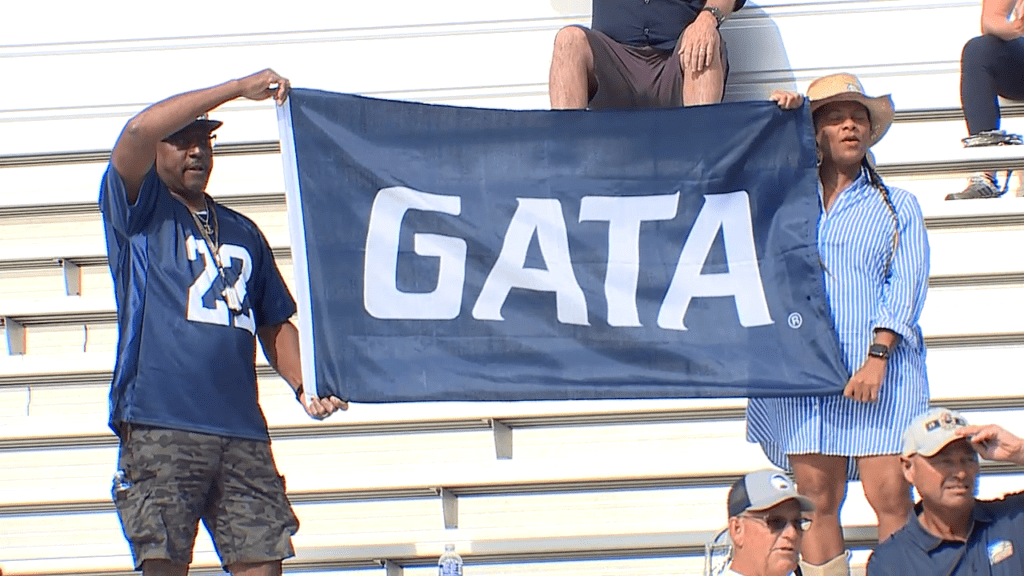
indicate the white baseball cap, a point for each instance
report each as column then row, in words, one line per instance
column 932, row 431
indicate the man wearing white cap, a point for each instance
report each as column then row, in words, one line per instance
column 950, row 532
column 766, row 524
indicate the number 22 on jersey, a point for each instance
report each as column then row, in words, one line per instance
column 219, row 314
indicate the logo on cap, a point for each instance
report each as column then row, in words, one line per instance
column 946, row 421
column 779, row 482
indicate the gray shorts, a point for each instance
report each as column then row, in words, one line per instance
column 636, row 76
column 170, row 479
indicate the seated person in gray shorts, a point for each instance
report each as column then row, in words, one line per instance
column 649, row 54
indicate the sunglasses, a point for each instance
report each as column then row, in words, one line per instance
column 778, row 523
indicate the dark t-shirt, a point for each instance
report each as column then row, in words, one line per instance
column 995, row 546
column 656, row 23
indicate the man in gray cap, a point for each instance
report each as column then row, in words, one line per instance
column 950, row 532
column 766, row 524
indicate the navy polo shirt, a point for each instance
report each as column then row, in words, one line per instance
column 994, row 547
column 656, row 23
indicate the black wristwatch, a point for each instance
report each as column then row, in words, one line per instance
column 879, row 351
column 719, row 17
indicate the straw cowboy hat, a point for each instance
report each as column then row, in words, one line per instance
column 846, row 87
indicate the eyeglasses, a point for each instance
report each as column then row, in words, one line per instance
column 778, row 523
column 187, row 140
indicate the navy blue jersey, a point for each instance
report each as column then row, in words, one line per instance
column 184, row 360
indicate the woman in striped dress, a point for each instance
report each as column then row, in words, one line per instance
column 874, row 254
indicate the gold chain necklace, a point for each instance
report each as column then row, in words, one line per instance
column 209, row 227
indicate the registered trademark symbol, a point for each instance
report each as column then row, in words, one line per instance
column 795, row 320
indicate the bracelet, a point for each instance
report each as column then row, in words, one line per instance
column 298, row 392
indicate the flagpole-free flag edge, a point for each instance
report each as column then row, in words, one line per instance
column 297, row 235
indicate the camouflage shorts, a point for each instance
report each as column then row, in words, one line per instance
column 170, row 479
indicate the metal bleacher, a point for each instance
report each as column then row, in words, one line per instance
column 553, row 488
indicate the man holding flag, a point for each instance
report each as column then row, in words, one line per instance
column 195, row 284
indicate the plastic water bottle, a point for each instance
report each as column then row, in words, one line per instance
column 450, row 563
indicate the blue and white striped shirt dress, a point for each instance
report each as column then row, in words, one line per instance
column 855, row 243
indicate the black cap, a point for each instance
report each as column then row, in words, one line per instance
column 201, row 123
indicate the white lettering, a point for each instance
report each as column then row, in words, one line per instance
column 541, row 217
column 624, row 215
column 381, row 296
column 731, row 213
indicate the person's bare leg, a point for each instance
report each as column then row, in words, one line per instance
column 272, row 568
column 887, row 491
column 572, row 65
column 163, row 568
column 706, row 86
column 822, row 479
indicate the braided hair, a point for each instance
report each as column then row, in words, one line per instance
column 876, row 181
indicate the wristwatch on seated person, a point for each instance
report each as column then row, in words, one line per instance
column 719, row 17
column 879, row 351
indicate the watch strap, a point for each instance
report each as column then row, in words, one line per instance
column 719, row 17
column 879, row 351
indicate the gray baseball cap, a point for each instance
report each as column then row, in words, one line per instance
column 762, row 489
column 932, row 431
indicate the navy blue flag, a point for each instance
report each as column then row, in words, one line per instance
column 446, row 253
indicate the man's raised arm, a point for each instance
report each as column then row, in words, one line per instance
column 135, row 151
column 992, row 442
